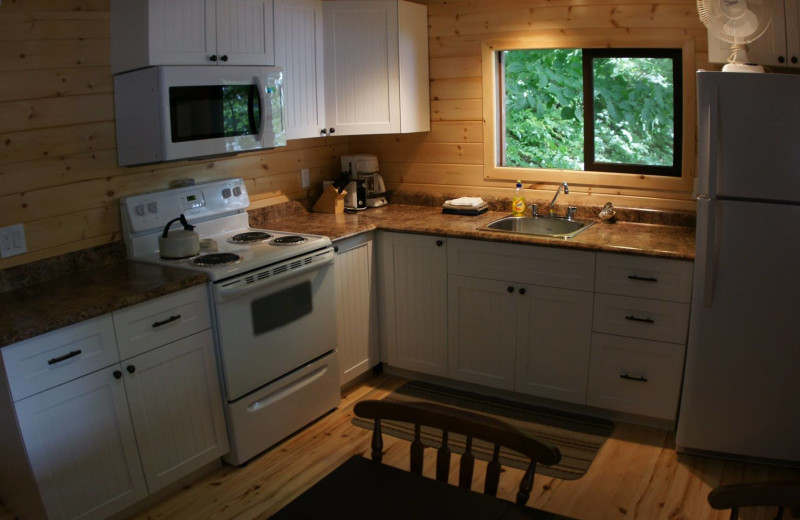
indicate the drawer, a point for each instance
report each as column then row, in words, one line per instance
column 644, row 277
column 160, row 321
column 641, row 318
column 49, row 360
column 635, row 376
column 548, row 266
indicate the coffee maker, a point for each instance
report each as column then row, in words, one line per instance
column 364, row 167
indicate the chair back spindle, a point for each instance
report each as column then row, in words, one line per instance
column 472, row 426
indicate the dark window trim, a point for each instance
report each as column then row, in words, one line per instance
column 589, row 164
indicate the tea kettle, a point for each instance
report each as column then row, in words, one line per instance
column 181, row 243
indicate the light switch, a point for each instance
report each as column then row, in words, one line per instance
column 12, row 241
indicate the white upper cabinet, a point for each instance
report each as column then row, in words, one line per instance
column 376, row 67
column 191, row 32
column 298, row 49
column 779, row 46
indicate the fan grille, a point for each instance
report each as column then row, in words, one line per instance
column 735, row 21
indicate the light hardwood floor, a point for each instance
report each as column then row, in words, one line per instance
column 636, row 475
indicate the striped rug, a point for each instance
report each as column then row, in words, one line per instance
column 578, row 437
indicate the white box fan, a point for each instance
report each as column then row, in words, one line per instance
column 738, row 22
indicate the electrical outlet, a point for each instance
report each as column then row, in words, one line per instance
column 12, row 241
column 305, row 178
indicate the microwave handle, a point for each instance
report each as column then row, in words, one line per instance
column 262, row 96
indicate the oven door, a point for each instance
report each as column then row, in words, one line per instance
column 276, row 327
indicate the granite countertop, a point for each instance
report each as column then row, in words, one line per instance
column 29, row 311
column 648, row 239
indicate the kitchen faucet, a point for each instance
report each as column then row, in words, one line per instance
column 553, row 202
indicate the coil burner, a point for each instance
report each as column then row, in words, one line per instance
column 217, row 260
column 289, row 240
column 249, row 237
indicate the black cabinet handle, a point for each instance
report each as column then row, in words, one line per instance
column 781, row 59
column 510, row 289
column 794, row 59
column 640, row 379
column 168, row 320
column 117, row 374
column 331, row 131
column 522, row 290
column 323, row 132
column 65, row 357
column 131, row 369
column 335, row 249
column 440, row 243
column 224, row 57
column 642, row 278
column 213, row 57
column 640, row 320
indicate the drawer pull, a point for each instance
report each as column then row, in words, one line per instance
column 642, row 278
column 640, row 320
column 65, row 357
column 168, row 320
column 641, row 379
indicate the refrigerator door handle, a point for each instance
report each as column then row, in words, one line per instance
column 709, row 139
column 709, row 223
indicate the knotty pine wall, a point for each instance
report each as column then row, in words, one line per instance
column 58, row 165
column 450, row 158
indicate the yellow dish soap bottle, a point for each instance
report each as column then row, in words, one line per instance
column 518, row 202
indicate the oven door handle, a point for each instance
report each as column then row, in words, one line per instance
column 253, row 282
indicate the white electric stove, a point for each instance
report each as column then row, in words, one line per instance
column 273, row 303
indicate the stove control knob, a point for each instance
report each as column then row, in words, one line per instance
column 226, row 193
column 152, row 207
column 139, row 210
column 237, row 191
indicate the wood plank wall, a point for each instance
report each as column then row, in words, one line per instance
column 58, row 164
column 450, row 158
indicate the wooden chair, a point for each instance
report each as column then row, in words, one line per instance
column 781, row 493
column 471, row 425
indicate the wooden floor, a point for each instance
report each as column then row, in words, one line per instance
column 636, row 475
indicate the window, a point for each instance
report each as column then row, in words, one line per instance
column 598, row 110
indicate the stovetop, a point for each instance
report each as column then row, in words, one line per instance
column 217, row 210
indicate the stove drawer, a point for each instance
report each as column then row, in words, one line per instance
column 160, row 321
column 45, row 361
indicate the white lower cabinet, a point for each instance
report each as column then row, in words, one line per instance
column 116, row 431
column 483, row 321
column 356, row 306
column 506, row 332
column 635, row 376
column 413, row 285
column 82, row 450
column 554, row 344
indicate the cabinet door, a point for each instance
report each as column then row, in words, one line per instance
column 482, row 334
column 361, row 67
column 81, row 446
column 356, row 307
column 414, row 288
column 298, row 49
column 182, row 32
column 176, row 407
column 245, row 34
column 554, row 344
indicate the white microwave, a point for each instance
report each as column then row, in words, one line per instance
column 168, row 113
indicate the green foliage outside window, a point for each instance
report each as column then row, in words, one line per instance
column 634, row 111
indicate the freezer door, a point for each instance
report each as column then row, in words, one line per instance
column 741, row 381
column 748, row 135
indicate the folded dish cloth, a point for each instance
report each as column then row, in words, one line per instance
column 466, row 202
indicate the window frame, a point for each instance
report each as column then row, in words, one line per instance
column 595, row 181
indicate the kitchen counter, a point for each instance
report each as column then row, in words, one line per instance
column 668, row 241
column 29, row 311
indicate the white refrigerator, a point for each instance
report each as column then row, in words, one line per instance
column 741, row 389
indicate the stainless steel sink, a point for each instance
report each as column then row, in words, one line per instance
column 540, row 226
